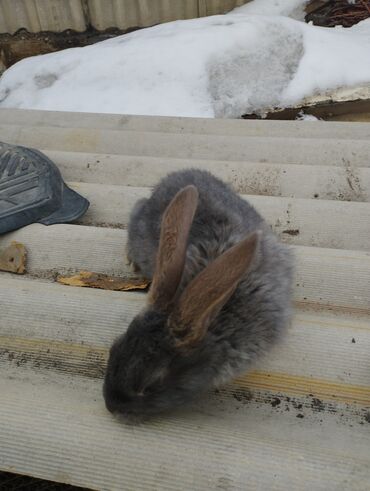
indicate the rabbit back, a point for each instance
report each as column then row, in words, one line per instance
column 260, row 307
column 221, row 220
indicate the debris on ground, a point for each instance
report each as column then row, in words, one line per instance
column 13, row 258
column 103, row 281
column 338, row 12
column 292, row 232
column 351, row 103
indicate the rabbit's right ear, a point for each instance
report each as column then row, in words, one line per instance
column 175, row 228
column 208, row 292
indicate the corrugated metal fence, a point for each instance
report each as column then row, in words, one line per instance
column 78, row 15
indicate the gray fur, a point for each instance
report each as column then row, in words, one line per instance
column 146, row 374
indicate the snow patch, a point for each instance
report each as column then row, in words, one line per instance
column 301, row 116
column 267, row 63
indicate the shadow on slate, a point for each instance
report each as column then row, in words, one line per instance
column 32, row 190
column 15, row 482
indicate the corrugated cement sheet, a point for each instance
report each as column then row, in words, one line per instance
column 300, row 420
column 41, row 15
column 59, row 15
column 133, row 13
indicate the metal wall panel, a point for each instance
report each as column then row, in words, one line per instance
column 41, row 15
column 133, row 13
column 213, row 7
column 59, row 15
column 13, row 16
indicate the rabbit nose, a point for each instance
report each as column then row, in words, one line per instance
column 117, row 407
column 111, row 401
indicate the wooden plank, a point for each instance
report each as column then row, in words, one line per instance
column 331, row 104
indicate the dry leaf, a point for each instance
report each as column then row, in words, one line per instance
column 13, row 258
column 103, row 281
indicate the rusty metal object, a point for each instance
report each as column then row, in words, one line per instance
column 13, row 258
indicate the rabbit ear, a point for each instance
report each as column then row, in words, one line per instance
column 175, row 227
column 208, row 292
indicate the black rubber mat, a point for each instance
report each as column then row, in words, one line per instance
column 32, row 190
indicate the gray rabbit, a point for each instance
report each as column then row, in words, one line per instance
column 220, row 295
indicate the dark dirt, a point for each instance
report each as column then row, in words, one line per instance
column 314, row 406
column 296, row 404
column 353, row 340
column 292, row 232
column 275, row 402
column 243, row 396
column 92, row 366
column 23, row 44
column 317, row 405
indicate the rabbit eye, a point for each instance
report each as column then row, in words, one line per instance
column 154, row 384
column 148, row 391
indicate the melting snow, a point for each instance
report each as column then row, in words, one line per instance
column 219, row 66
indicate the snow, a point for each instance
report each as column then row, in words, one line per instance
column 219, row 66
column 301, row 116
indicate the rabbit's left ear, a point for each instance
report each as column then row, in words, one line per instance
column 208, row 292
